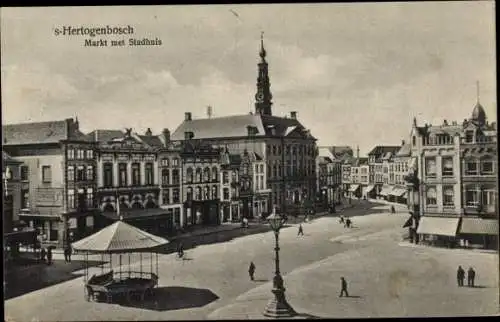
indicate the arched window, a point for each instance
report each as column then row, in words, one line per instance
column 198, row 175
column 448, row 196
column 198, row 193
column 214, row 192
column 215, row 174
column 206, row 193
column 206, row 174
column 431, row 196
column 189, row 175
column 189, row 194
column 487, row 165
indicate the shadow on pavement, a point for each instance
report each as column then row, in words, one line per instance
column 171, row 298
column 308, row 316
column 261, row 280
column 28, row 279
column 354, row 297
column 190, row 242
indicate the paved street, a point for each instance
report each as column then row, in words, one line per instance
column 387, row 277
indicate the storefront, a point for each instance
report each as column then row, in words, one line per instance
column 479, row 233
column 354, row 191
column 397, row 194
column 369, row 192
column 385, row 192
column 438, row 231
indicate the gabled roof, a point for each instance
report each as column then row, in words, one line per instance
column 237, row 126
column 151, row 140
column 360, row 161
column 340, row 153
column 105, row 135
column 381, row 150
column 41, row 132
column 404, row 151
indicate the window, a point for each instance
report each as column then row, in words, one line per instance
column 234, row 176
column 189, row 175
column 447, row 165
column 261, row 167
column 90, row 198
column 206, row 174
column 136, row 174
column 487, row 166
column 198, row 193
column 469, row 136
column 108, row 174
column 431, row 196
column 472, row 196
column 71, row 173
column 430, row 167
column 489, row 197
column 198, row 175
column 175, row 176
column 414, row 141
column 448, row 196
column 71, row 199
column 90, row 172
column 164, row 162
column 80, row 173
column 215, row 174
column 166, row 196
column 206, row 193
column 80, row 154
column 175, row 195
column 287, row 150
column 165, row 176
column 226, row 193
column 177, row 216
column 24, row 173
column 122, row 175
column 149, row 173
column 175, row 162
column 71, row 154
column 90, row 154
column 46, row 174
column 25, row 199
column 471, row 167
column 274, row 150
column 262, row 183
column 214, row 192
column 225, row 177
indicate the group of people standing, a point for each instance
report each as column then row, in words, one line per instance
column 471, row 276
column 46, row 254
column 347, row 222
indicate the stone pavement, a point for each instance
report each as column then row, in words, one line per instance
column 385, row 280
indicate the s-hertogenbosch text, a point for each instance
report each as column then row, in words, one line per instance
column 93, row 31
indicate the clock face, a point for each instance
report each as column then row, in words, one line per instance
column 259, row 97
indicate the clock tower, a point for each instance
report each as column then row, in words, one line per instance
column 263, row 96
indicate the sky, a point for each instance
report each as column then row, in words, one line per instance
column 356, row 73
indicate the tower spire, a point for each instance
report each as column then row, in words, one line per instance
column 477, row 91
column 263, row 95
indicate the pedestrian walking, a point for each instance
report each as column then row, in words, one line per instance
column 343, row 285
column 69, row 250
column 43, row 253
column 348, row 223
column 471, row 275
column 393, row 210
column 66, row 260
column 341, row 219
column 301, row 231
column 180, row 250
column 49, row 256
column 460, row 276
column 251, row 271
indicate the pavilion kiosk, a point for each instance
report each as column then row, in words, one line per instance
column 119, row 239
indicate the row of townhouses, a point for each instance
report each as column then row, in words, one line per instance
column 206, row 172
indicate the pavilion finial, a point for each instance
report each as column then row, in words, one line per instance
column 477, row 91
column 262, row 50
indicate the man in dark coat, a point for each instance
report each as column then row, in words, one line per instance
column 348, row 223
column 343, row 284
column 251, row 270
column 301, row 231
column 471, row 275
column 460, row 276
column 49, row 256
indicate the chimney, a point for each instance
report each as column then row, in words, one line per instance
column 209, row 111
column 166, row 136
column 187, row 116
column 402, row 142
column 445, row 122
column 293, row 115
column 148, row 132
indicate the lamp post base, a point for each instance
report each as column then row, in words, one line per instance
column 278, row 307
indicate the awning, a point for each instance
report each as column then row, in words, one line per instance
column 438, row 226
column 386, row 190
column 353, row 187
column 369, row 188
column 479, row 226
column 398, row 192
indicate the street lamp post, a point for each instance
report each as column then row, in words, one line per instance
column 278, row 307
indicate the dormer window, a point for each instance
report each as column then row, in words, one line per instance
column 252, row 130
column 469, row 136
